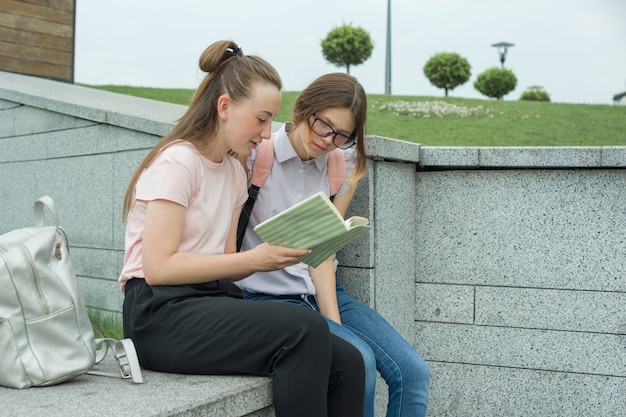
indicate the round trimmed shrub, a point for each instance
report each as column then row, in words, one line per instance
column 535, row 94
column 495, row 82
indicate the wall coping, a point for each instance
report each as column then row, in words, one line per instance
column 555, row 157
column 144, row 115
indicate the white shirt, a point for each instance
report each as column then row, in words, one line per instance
column 290, row 181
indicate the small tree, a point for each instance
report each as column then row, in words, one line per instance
column 346, row 46
column 535, row 94
column 447, row 70
column 495, row 82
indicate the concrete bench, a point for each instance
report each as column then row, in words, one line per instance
column 161, row 395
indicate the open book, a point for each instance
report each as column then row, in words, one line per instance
column 315, row 224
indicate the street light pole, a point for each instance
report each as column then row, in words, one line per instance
column 388, row 54
column 502, row 49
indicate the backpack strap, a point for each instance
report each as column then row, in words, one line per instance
column 263, row 162
column 260, row 170
column 336, row 171
column 125, row 355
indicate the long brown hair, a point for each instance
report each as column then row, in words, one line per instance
column 229, row 72
column 336, row 90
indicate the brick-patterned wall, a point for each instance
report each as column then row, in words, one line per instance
column 37, row 38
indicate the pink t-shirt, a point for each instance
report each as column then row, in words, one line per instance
column 210, row 191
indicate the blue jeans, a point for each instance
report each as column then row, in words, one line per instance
column 404, row 370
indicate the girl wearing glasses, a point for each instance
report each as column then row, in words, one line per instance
column 330, row 113
column 181, row 308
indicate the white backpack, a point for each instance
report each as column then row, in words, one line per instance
column 46, row 336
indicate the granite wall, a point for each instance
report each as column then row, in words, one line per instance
column 503, row 266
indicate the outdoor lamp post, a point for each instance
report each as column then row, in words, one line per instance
column 388, row 51
column 502, row 48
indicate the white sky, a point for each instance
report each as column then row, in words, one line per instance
column 574, row 49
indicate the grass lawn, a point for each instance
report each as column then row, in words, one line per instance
column 451, row 121
column 107, row 325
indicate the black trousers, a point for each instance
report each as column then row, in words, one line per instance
column 206, row 329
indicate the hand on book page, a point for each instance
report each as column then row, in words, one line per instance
column 315, row 224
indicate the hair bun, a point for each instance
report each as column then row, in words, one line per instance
column 217, row 54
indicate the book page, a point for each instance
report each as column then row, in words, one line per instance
column 356, row 221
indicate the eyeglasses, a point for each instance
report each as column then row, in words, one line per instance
column 321, row 128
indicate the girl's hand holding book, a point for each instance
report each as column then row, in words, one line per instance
column 272, row 257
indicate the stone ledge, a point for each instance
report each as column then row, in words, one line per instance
column 161, row 395
column 136, row 113
column 473, row 157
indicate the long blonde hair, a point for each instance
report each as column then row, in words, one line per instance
column 229, row 72
column 336, row 90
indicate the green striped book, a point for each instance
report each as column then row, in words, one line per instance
column 315, row 224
